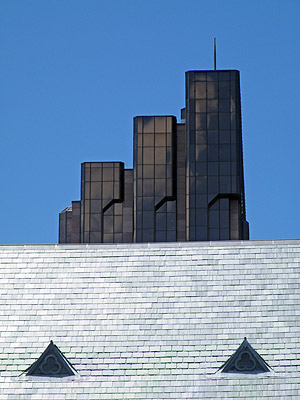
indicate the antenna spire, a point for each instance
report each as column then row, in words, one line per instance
column 215, row 54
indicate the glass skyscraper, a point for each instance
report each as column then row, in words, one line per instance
column 187, row 181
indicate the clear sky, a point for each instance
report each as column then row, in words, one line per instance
column 73, row 74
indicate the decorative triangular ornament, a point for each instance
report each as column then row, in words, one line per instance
column 245, row 361
column 52, row 363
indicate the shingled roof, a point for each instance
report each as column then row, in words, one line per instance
column 150, row 321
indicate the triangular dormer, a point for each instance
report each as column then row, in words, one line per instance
column 245, row 361
column 52, row 363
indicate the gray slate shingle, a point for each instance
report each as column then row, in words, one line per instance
column 151, row 321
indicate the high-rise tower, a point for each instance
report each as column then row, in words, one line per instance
column 214, row 157
column 187, row 181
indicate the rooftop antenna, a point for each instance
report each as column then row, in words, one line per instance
column 215, row 54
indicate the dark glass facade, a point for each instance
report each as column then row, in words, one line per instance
column 154, row 179
column 215, row 186
column 187, row 178
column 106, row 203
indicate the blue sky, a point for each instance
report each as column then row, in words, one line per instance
column 73, row 74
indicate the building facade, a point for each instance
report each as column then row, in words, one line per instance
column 187, row 181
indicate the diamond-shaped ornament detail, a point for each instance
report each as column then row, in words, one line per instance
column 52, row 363
column 245, row 361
